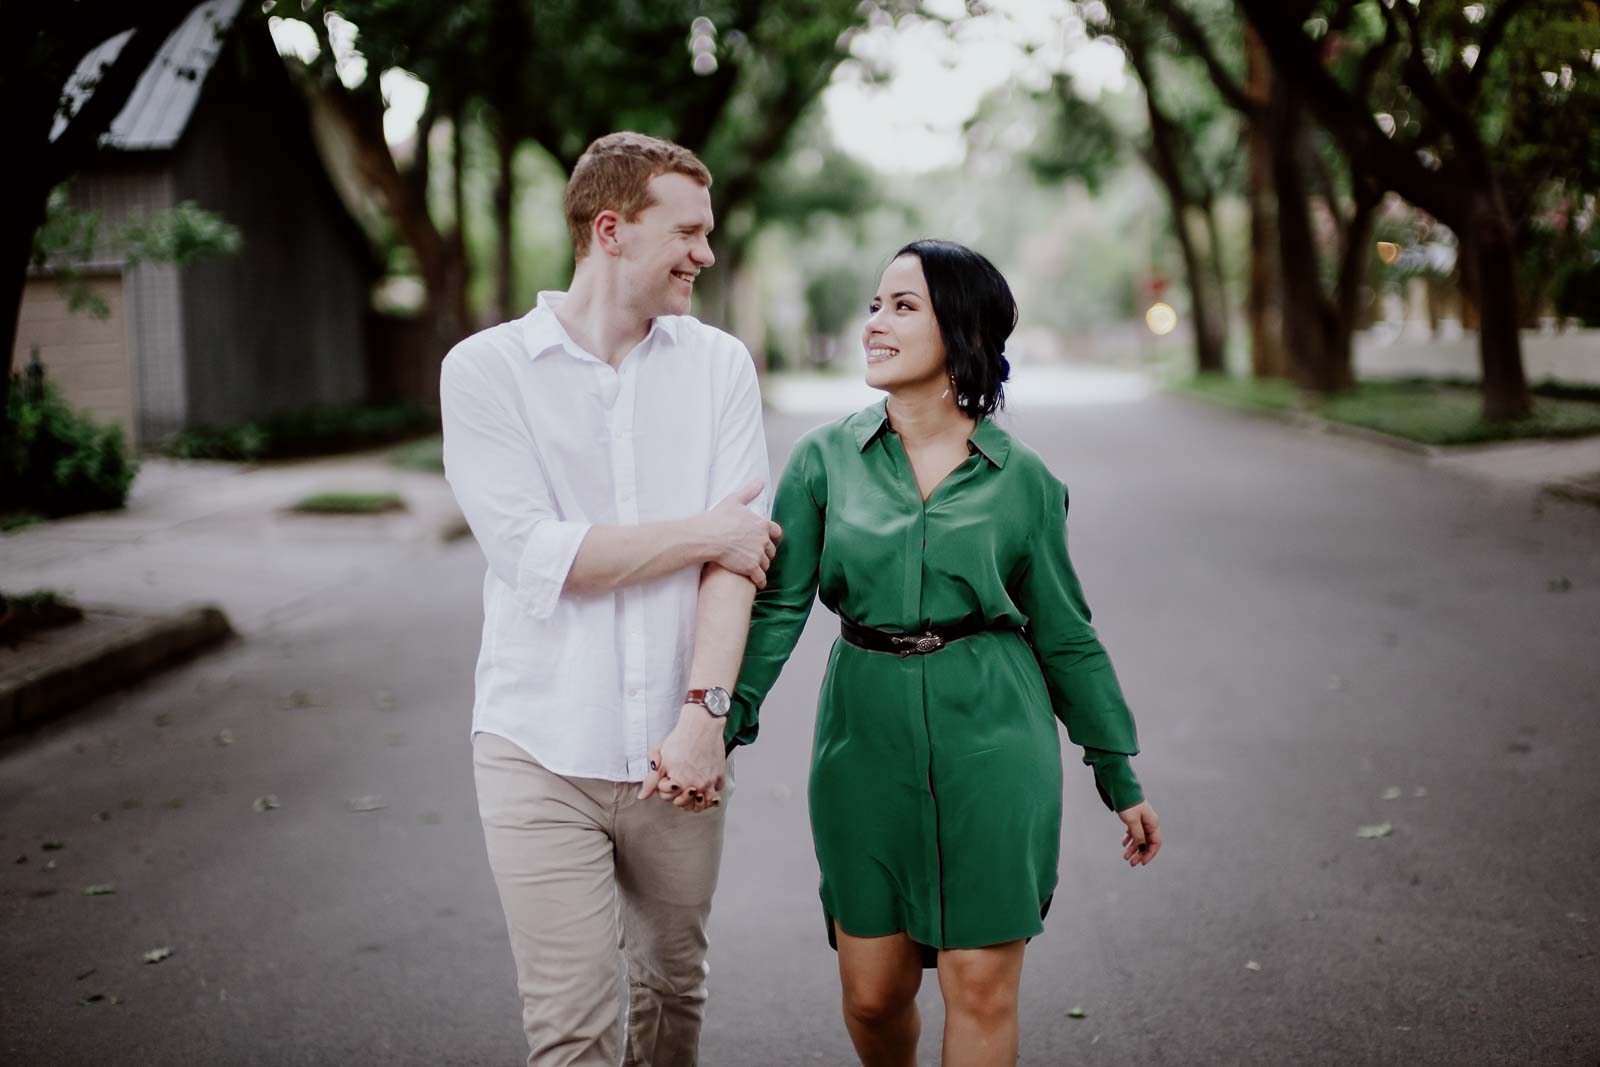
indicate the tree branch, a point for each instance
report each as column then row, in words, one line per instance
column 1194, row 35
column 1494, row 31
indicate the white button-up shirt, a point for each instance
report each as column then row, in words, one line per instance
column 541, row 441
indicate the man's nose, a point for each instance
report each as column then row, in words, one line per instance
column 703, row 255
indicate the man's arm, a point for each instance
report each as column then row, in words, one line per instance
column 730, row 535
column 692, row 756
column 494, row 468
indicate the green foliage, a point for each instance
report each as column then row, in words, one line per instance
column 58, row 461
column 426, row 454
column 180, row 235
column 70, row 238
column 310, row 432
column 834, row 295
column 1081, row 142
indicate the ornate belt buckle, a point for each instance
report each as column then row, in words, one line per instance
column 929, row 643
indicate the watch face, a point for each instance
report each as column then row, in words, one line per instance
column 717, row 702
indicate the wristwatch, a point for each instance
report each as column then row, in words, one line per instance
column 715, row 700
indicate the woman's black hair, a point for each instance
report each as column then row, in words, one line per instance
column 976, row 313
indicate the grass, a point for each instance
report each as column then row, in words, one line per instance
column 19, row 520
column 1427, row 412
column 28, row 613
column 351, row 504
column 425, row 454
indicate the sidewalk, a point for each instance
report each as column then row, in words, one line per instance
column 221, row 533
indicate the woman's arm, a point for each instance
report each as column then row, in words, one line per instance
column 781, row 609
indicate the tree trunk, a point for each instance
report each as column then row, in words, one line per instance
column 1319, row 349
column 505, row 189
column 1217, row 282
column 22, row 217
column 1267, row 359
column 1491, row 251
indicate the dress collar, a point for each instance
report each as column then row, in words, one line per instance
column 988, row 440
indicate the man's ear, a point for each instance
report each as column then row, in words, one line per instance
column 605, row 232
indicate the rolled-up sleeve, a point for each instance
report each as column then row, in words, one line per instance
column 493, row 466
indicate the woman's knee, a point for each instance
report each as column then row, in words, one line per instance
column 878, row 1003
column 980, row 986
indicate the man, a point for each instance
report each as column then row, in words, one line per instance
column 607, row 451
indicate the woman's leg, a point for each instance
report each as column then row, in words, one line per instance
column 980, row 1004
column 881, row 976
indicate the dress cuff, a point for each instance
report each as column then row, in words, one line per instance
column 545, row 563
column 1114, row 778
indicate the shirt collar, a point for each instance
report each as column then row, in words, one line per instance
column 542, row 332
column 988, row 440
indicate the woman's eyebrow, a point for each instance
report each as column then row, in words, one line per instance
column 905, row 292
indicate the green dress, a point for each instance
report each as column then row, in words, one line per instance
column 935, row 789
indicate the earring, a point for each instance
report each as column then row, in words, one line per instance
column 952, row 386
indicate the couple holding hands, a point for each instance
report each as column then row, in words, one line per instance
column 607, row 450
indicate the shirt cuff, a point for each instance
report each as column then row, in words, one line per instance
column 1114, row 778
column 545, row 563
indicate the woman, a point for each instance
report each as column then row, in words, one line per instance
column 935, row 786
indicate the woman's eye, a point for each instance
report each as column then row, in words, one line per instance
column 872, row 309
column 903, row 306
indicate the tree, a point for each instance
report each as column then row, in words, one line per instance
column 727, row 79
column 1443, row 161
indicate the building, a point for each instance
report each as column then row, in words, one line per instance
column 280, row 326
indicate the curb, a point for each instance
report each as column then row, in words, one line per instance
column 1304, row 420
column 1575, row 490
column 67, row 679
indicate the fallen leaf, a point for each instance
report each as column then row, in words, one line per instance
column 372, row 803
column 1381, row 829
column 1559, row 585
column 102, row 816
column 1335, row 684
column 1252, row 965
column 49, row 865
column 1076, row 1012
column 224, row 737
column 102, row 889
column 1309, row 917
column 163, row 719
column 429, row 818
column 92, row 998
column 1420, row 791
column 156, row 955
column 85, row 974
column 266, row 803
column 1392, row 793
column 385, row 700
column 53, row 846
column 1519, row 746
column 174, row 804
column 22, row 858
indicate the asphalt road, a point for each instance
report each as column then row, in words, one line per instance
column 1303, row 624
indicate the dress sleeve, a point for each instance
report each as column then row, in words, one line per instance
column 1083, row 687
column 781, row 609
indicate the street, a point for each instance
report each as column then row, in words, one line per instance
column 1317, row 635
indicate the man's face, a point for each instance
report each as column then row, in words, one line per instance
column 666, row 246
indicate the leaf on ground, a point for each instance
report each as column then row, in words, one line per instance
column 49, row 865
column 163, row 719
column 1392, row 793
column 1309, row 917
column 1519, row 746
column 22, row 858
column 224, row 737
column 372, row 803
column 1252, row 965
column 156, row 955
column 101, row 889
column 385, row 700
column 53, row 846
column 85, row 974
column 1559, row 585
column 1379, row 829
column 92, row 998
column 269, row 802
column 1076, row 1012
column 429, row 818
column 1420, row 791
column 102, row 816
column 1335, row 684
column 299, row 698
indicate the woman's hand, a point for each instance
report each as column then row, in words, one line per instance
column 1143, row 838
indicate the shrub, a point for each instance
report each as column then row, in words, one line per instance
column 311, row 432
column 57, row 461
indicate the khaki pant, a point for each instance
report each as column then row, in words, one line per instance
column 585, row 867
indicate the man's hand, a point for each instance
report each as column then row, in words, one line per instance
column 687, row 769
column 742, row 541
column 1142, row 840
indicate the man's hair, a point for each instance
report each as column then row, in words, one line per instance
column 614, row 172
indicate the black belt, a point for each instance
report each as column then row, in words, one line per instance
column 902, row 644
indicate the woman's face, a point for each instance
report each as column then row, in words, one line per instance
column 904, row 348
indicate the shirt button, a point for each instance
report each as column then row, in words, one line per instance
column 632, row 693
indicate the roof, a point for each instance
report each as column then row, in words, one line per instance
column 160, row 105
